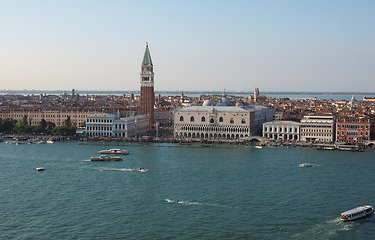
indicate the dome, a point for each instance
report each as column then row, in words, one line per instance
column 208, row 102
column 226, row 101
column 239, row 104
column 220, row 104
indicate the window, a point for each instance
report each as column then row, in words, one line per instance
column 243, row 121
column 181, row 119
column 203, row 119
column 231, row 120
column 191, row 119
column 221, row 119
column 212, row 120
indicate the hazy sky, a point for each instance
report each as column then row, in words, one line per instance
column 319, row 45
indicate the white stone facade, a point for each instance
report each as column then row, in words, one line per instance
column 318, row 128
column 282, row 130
column 220, row 122
column 104, row 124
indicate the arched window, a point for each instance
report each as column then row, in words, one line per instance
column 181, row 119
column 243, row 121
column 203, row 119
column 231, row 120
column 191, row 119
column 212, row 120
column 221, row 119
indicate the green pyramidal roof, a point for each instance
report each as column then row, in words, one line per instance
column 147, row 57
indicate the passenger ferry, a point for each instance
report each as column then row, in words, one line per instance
column 114, row 151
column 105, row 158
column 356, row 213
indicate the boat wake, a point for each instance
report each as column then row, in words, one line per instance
column 326, row 229
column 125, row 169
column 192, row 203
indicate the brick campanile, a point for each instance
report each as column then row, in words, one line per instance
column 147, row 86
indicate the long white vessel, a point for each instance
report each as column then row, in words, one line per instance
column 114, row 151
column 105, row 158
column 357, row 213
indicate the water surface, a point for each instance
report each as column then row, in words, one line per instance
column 224, row 192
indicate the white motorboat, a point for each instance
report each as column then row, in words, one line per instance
column 139, row 170
column 171, row 201
column 40, row 169
column 357, row 213
column 306, row 165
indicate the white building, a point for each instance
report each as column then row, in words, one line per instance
column 318, row 128
column 282, row 130
column 222, row 121
column 104, row 124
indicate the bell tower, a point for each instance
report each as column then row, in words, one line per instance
column 147, row 86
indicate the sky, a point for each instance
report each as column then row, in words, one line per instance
column 290, row 45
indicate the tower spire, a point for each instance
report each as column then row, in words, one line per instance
column 147, row 57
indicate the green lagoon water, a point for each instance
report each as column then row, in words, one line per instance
column 225, row 192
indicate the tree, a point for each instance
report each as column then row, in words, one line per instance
column 64, row 131
column 8, row 125
column 24, row 120
column 67, row 122
column 19, row 127
column 43, row 125
column 50, row 127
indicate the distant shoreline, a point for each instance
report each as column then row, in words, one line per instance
column 105, row 92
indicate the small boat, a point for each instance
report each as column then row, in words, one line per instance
column 40, row 169
column 207, row 145
column 139, row 170
column 306, row 165
column 114, row 151
column 357, row 213
column 50, row 141
column 258, row 146
column 105, row 158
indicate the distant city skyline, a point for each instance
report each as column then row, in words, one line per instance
column 279, row 46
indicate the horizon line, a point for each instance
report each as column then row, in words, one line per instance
column 194, row 91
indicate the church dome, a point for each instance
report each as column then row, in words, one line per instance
column 220, row 104
column 226, row 101
column 208, row 102
column 239, row 104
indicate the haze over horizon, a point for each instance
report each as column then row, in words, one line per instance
column 305, row 46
